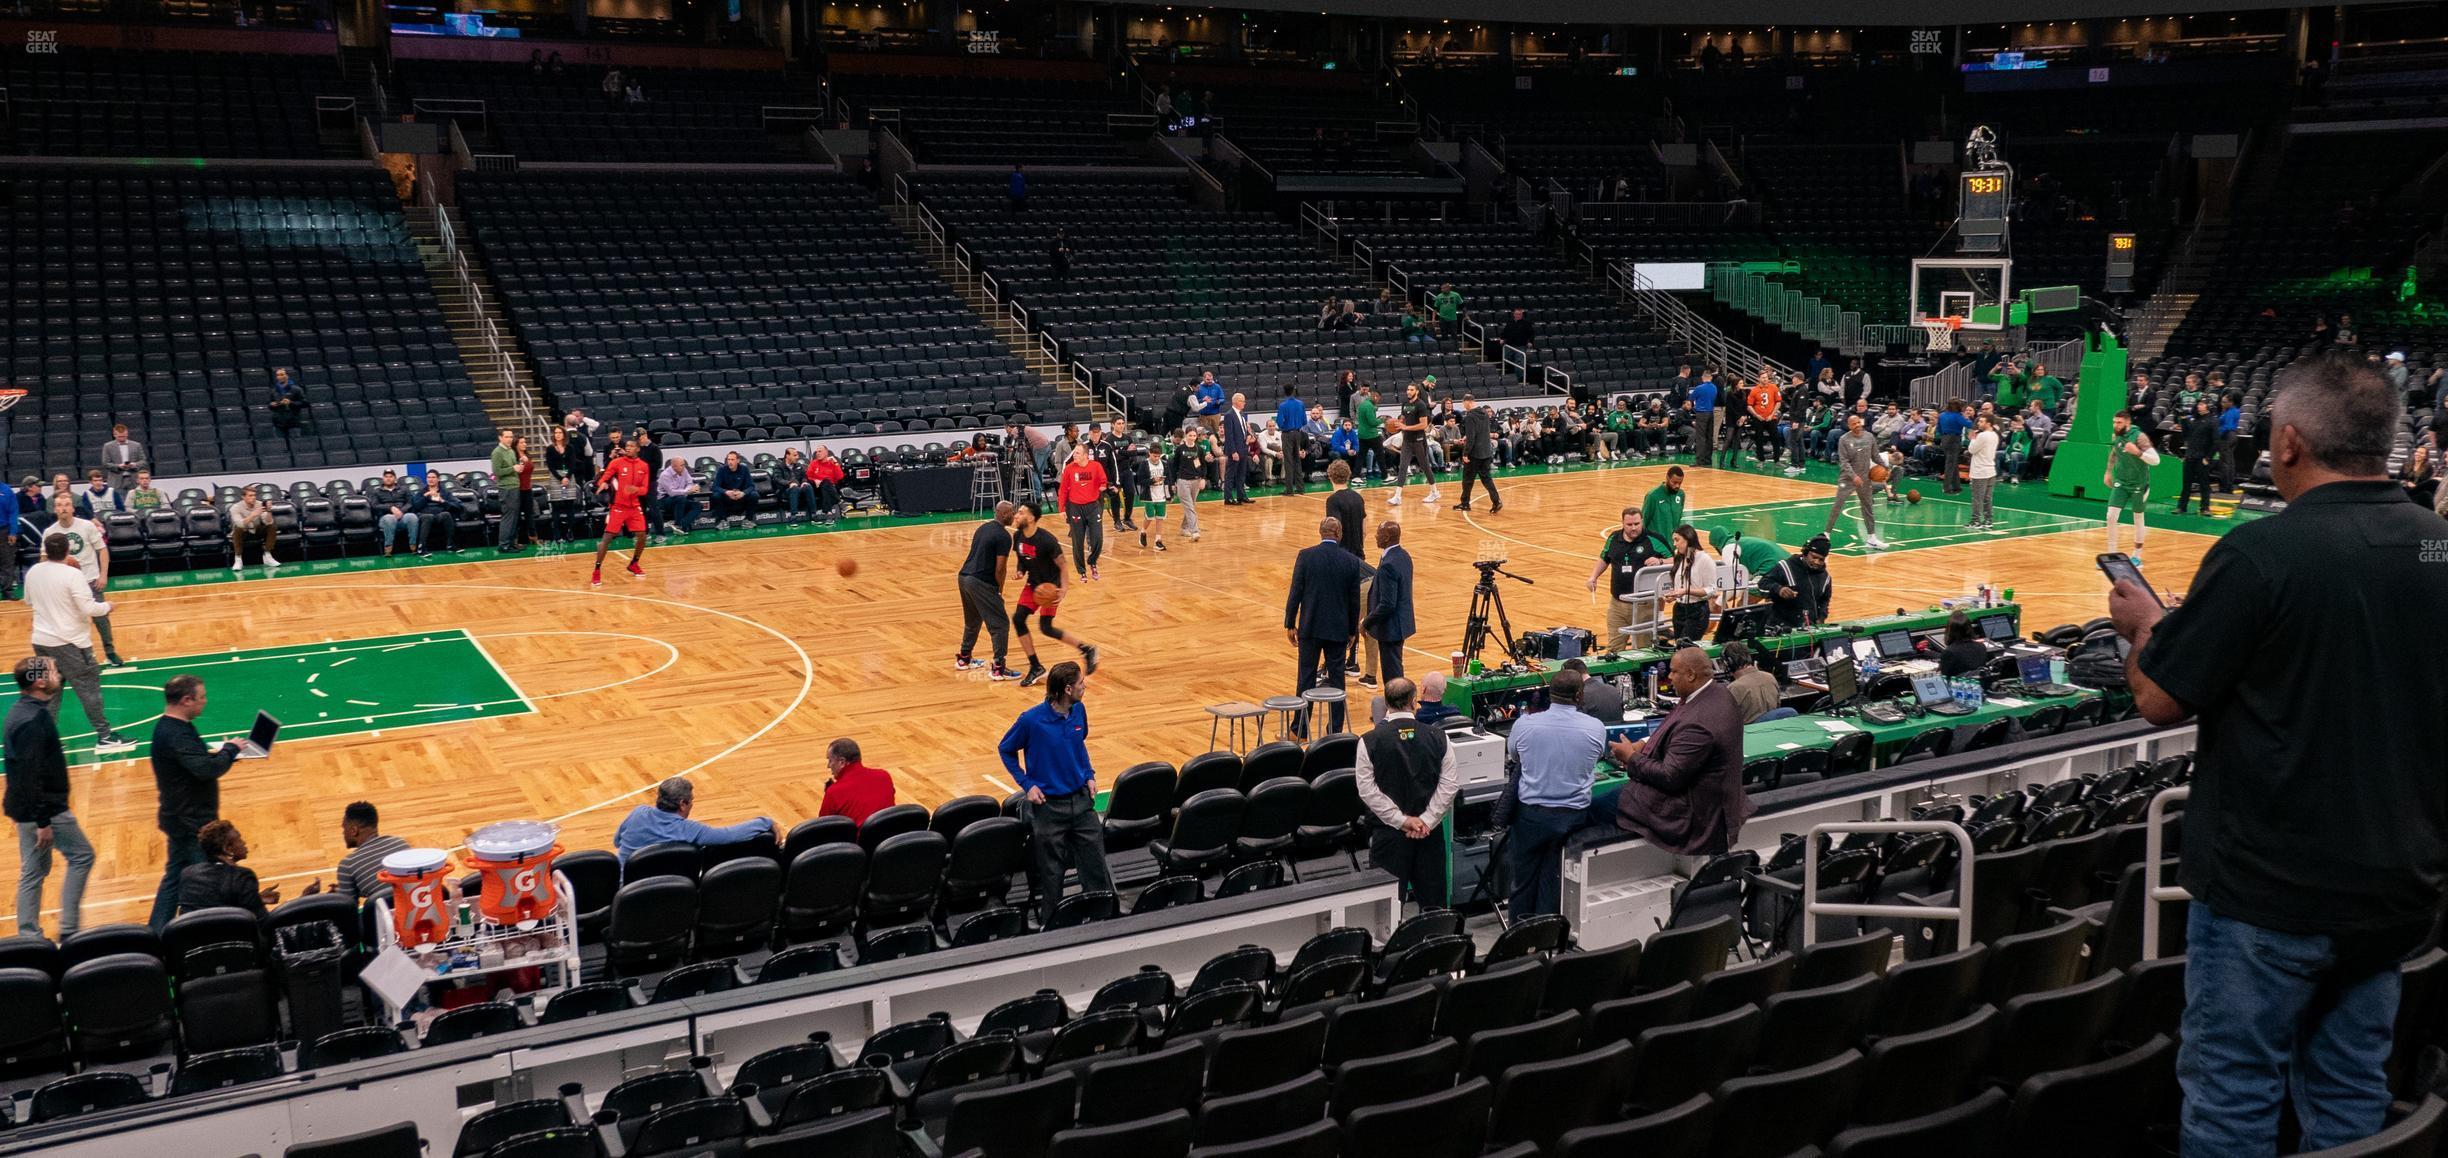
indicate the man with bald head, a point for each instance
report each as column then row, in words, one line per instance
column 981, row 591
column 1322, row 610
column 1683, row 785
column 1555, row 756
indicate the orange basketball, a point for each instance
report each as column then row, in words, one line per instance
column 1878, row 474
column 847, row 567
column 1913, row 495
column 1048, row 595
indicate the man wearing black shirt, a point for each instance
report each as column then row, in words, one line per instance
column 1519, row 333
column 1627, row 549
column 1414, row 426
column 1478, row 451
column 2201, row 455
column 1799, row 587
column 981, row 590
column 1040, row 558
column 2316, row 839
column 187, row 775
column 38, row 801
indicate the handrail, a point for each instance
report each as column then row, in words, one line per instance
column 451, row 107
column 2154, row 850
column 992, row 288
column 1019, row 316
column 790, row 114
column 366, row 141
column 901, row 189
column 1115, row 122
column 963, row 260
column 1394, row 276
column 1960, row 912
column 933, row 225
column 1557, row 381
column 520, row 401
column 1698, row 334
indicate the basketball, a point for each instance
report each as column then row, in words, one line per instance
column 1913, row 495
column 1048, row 595
column 847, row 567
column 1878, row 474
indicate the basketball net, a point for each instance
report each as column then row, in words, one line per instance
column 10, row 398
column 1940, row 333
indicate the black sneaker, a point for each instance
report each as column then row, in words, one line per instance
column 1089, row 654
column 1036, row 672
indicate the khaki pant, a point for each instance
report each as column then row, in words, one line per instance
column 1622, row 614
column 1365, row 646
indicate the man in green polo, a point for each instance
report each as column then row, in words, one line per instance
column 506, row 481
column 2130, row 457
column 1447, row 303
column 1368, row 428
column 1662, row 511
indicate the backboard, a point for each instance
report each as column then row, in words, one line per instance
column 1976, row 289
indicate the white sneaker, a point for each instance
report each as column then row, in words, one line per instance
column 1793, row 470
column 237, row 565
column 114, row 744
column 1432, row 496
column 1875, row 543
column 1394, row 500
column 269, row 566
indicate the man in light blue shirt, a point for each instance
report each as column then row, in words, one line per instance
column 1704, row 418
column 1557, row 751
column 1207, row 403
column 667, row 819
column 1292, row 419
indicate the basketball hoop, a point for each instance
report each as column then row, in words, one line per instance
column 1940, row 332
column 10, row 398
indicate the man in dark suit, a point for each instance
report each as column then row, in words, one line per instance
column 1236, row 436
column 1600, row 698
column 1389, row 601
column 1683, row 785
column 1323, row 609
column 1478, row 453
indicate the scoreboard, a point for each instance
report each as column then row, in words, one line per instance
column 2120, row 263
column 1984, row 198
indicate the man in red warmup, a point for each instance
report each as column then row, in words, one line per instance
column 625, row 479
column 854, row 790
column 1083, row 487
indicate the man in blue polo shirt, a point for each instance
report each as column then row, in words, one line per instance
column 1292, row 418
column 1704, row 418
column 1060, row 787
column 1207, row 403
column 1952, row 423
column 2230, row 424
column 1557, row 751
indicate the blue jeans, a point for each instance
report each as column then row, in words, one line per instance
column 799, row 499
column 1535, row 856
column 2271, row 1016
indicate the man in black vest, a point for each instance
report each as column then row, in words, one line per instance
column 1407, row 780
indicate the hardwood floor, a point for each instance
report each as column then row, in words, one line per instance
column 736, row 662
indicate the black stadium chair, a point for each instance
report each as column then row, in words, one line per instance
column 116, row 1006
column 650, row 925
column 1203, row 833
column 820, row 892
column 904, row 875
column 32, row 1038
column 492, row 1127
column 1136, row 809
column 735, row 907
column 87, row 1093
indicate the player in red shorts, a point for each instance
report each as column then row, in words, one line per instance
column 1040, row 561
column 624, row 478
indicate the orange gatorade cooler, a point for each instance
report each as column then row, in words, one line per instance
column 516, row 860
column 420, row 900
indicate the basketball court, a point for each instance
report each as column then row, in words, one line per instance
column 452, row 694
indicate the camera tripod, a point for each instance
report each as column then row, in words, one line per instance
column 1486, row 600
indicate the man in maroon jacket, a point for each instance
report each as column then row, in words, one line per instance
column 1684, row 783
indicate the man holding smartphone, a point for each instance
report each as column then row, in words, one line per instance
column 2316, row 838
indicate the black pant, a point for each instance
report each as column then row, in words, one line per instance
column 1476, row 466
column 1418, row 864
column 1066, row 833
column 1389, row 660
column 982, row 606
column 1950, row 452
column 1296, row 462
column 1691, row 619
column 1326, row 654
column 1087, row 534
column 1117, row 502
column 2198, row 475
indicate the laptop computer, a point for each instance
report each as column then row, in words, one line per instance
column 2035, row 672
column 1937, row 697
column 258, row 743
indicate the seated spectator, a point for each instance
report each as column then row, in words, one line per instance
column 1413, row 331
column 667, row 819
column 33, row 508
column 394, row 504
column 735, row 491
column 1344, row 444
column 144, row 496
column 798, row 490
column 826, row 472
column 1965, row 654
column 676, row 496
column 249, row 518
column 1755, row 691
column 1432, row 706
column 97, row 499
column 361, row 831
column 437, row 517
column 2017, row 453
column 853, row 789
column 221, row 881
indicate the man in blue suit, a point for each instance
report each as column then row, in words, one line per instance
column 1236, row 438
column 1323, row 609
column 1389, row 613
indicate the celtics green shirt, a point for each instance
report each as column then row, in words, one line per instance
column 1448, row 305
column 1365, row 422
column 2129, row 470
column 1758, row 556
column 1661, row 513
column 2009, row 391
column 2048, row 390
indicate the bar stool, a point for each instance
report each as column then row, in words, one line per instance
column 1236, row 718
column 1288, row 710
column 1319, row 698
column 985, row 483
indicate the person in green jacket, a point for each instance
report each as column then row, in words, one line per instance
column 506, row 481
column 1664, row 508
column 1757, row 556
column 1619, row 421
column 2011, row 388
column 2018, row 453
column 1370, row 429
column 2046, row 388
column 1448, row 305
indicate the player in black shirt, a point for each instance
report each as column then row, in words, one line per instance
column 981, row 590
column 1040, row 557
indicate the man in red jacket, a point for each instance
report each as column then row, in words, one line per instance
column 854, row 790
column 1083, row 487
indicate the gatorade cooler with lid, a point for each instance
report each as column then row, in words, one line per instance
column 516, row 859
column 420, row 899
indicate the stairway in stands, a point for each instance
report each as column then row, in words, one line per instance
column 505, row 383
column 997, row 319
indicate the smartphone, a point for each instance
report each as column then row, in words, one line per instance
column 2120, row 568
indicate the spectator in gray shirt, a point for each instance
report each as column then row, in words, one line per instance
column 121, row 458
column 361, row 830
